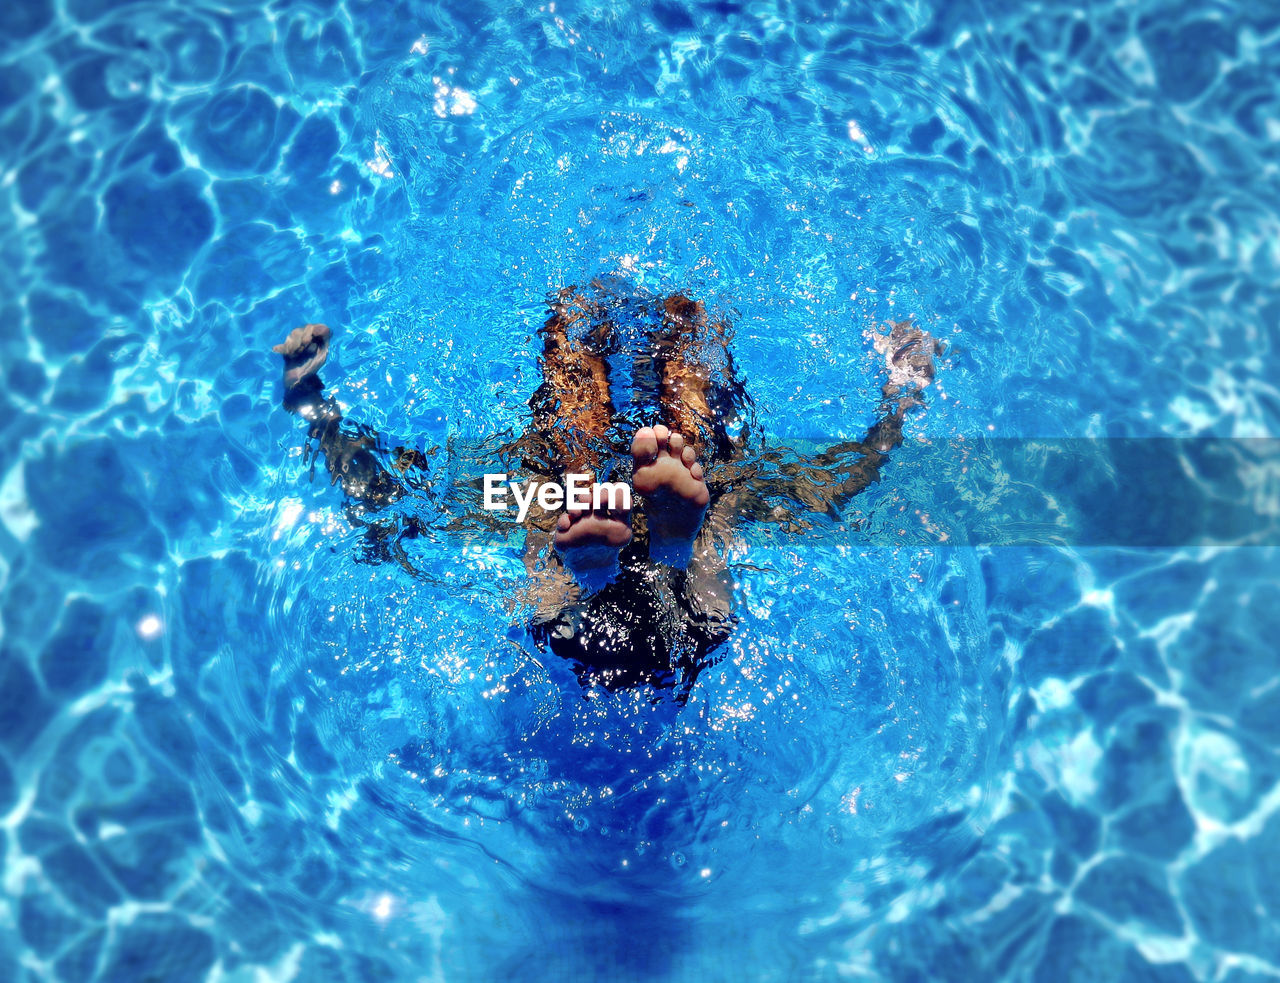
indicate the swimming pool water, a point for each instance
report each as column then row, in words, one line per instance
column 232, row 751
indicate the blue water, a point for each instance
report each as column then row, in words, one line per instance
column 232, row 752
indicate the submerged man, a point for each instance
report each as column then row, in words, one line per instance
column 641, row 595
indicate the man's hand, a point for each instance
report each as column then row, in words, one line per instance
column 304, row 351
column 908, row 355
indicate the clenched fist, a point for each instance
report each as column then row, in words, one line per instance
column 304, row 351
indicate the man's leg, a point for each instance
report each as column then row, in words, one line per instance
column 693, row 397
column 668, row 470
column 573, row 407
column 572, row 411
column 684, row 380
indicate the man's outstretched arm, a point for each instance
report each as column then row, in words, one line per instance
column 781, row 482
column 348, row 452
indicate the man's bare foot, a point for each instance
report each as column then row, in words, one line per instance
column 668, row 475
column 589, row 539
column 304, row 351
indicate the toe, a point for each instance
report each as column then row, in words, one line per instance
column 689, row 456
column 695, row 469
column 662, row 433
column 644, row 445
column 564, row 522
column 675, row 444
column 577, row 506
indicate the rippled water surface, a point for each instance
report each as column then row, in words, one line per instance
column 234, row 750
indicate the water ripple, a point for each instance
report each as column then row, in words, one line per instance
column 229, row 747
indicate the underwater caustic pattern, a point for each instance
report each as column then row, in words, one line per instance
column 232, row 747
